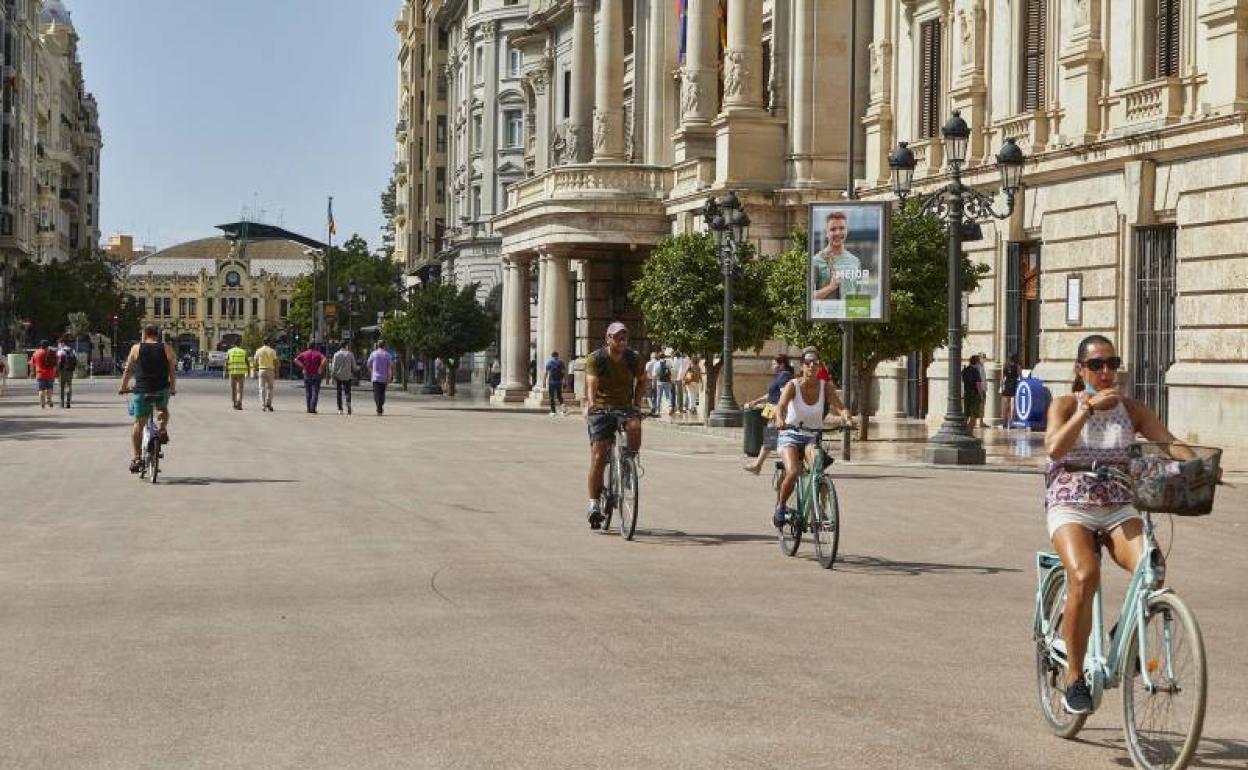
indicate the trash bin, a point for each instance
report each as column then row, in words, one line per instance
column 755, row 425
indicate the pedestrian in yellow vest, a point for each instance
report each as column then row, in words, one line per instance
column 236, row 367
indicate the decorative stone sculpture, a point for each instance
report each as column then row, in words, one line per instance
column 602, row 130
column 736, row 72
column 691, row 97
column 1081, row 13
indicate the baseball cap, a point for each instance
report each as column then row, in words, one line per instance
column 810, row 354
column 616, row 328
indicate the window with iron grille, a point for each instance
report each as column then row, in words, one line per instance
column 1166, row 19
column 929, row 79
column 1033, row 47
column 1155, row 262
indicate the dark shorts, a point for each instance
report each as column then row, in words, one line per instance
column 45, row 384
column 601, row 427
column 972, row 405
column 1008, row 389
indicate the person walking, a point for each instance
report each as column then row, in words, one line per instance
column 693, row 384
column 66, row 367
column 973, row 393
column 553, row 382
column 236, row 370
column 4, row 374
column 266, row 371
column 782, row 372
column 342, row 369
column 46, row 365
column 652, row 383
column 663, row 388
column 381, row 371
column 680, row 365
column 311, row 362
column 1009, row 387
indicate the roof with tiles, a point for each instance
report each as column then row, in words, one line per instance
column 277, row 257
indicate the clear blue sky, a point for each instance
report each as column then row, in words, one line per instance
column 210, row 106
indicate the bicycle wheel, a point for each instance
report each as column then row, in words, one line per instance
column 628, row 497
column 1051, row 675
column 825, row 526
column 791, row 533
column 153, row 457
column 1163, row 722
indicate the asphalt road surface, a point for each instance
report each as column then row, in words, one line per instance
column 420, row 590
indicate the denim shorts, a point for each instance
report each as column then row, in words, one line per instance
column 45, row 384
column 794, row 439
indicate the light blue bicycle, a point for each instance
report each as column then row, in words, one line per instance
column 1155, row 650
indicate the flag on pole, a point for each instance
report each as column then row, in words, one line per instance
column 333, row 229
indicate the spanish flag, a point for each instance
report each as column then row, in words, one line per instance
column 333, row 229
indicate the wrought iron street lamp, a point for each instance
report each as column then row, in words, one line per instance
column 729, row 224
column 354, row 297
column 960, row 206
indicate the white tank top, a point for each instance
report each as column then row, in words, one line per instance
column 802, row 414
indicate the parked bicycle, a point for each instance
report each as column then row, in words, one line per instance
column 818, row 509
column 1155, row 649
column 621, row 478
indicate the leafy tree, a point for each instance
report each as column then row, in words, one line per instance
column 918, row 297
column 79, row 324
column 253, row 337
column 87, row 284
column 441, row 321
column 681, row 295
column 375, row 274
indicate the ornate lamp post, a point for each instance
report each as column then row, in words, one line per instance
column 728, row 222
column 354, row 296
column 959, row 206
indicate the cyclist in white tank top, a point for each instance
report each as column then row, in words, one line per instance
column 799, row 407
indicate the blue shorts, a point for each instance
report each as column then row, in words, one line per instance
column 141, row 404
column 45, row 384
column 793, row 439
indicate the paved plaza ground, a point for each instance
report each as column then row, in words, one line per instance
column 420, row 591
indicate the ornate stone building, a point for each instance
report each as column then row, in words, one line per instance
column 1134, row 114
column 206, row 293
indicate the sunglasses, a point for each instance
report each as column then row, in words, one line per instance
column 1097, row 364
column 809, row 362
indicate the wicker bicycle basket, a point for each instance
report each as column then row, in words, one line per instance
column 1164, row 483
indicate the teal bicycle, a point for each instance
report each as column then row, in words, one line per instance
column 1155, row 649
column 818, row 509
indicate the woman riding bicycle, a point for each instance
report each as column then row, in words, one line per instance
column 801, row 406
column 1094, row 424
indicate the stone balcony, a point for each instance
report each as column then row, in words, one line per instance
column 586, row 205
column 1146, row 106
column 1029, row 129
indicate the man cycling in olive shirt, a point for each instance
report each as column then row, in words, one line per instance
column 615, row 378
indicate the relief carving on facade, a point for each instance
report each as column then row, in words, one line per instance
column 736, row 74
column 539, row 75
column 602, row 130
column 629, row 128
column 966, row 31
column 573, row 144
column 877, row 69
column 690, row 92
column 1081, row 13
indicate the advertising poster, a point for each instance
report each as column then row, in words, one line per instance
column 847, row 269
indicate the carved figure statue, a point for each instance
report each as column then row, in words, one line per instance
column 691, row 98
column 968, row 35
column 877, row 68
column 1081, row 13
column 572, row 144
column 735, row 73
column 602, row 131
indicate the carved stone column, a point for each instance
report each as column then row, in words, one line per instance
column 749, row 143
column 743, row 57
column 698, row 82
column 609, row 84
column 1225, row 26
column 581, row 123
column 515, row 383
column 554, row 309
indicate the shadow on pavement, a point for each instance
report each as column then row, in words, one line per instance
column 38, row 429
column 677, row 537
column 1211, row 753
column 870, row 565
column 875, row 477
column 203, row 481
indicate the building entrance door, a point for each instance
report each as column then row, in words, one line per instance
column 1155, row 259
column 1022, row 302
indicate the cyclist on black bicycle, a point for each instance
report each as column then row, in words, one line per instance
column 155, row 370
column 615, row 379
column 802, row 405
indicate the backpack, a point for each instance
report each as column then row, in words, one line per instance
column 69, row 361
column 665, row 371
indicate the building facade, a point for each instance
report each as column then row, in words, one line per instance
column 559, row 140
column 1134, row 116
column 207, row 292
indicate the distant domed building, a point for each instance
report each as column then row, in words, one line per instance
column 206, row 292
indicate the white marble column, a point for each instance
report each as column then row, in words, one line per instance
column 743, row 57
column 515, row 383
column 609, row 84
column 659, row 52
column 541, row 319
column 582, row 96
column 698, row 82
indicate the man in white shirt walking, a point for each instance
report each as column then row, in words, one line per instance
column 342, row 369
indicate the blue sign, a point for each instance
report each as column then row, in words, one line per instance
column 1031, row 405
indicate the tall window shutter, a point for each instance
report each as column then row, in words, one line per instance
column 1167, row 18
column 1034, row 40
column 929, row 79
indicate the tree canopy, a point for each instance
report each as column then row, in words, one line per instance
column 681, row 295
column 88, row 283
column 443, row 321
column 376, row 275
